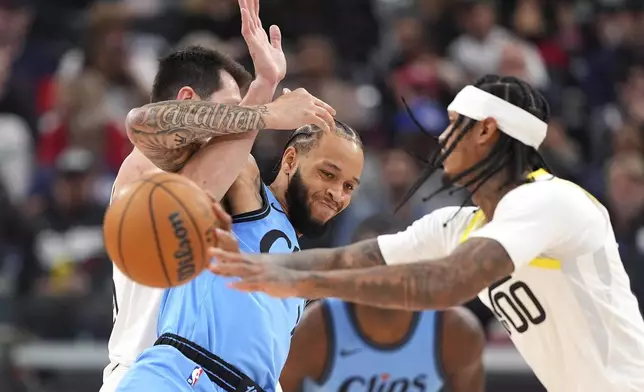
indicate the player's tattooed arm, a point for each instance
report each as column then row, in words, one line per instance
column 433, row 284
column 363, row 254
column 170, row 132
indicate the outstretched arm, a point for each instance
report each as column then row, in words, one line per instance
column 168, row 133
column 556, row 219
column 433, row 284
column 363, row 254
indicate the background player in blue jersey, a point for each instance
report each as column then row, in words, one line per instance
column 340, row 346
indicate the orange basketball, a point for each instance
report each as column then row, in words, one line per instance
column 158, row 230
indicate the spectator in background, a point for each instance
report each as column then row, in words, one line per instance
column 16, row 149
column 562, row 153
column 68, row 223
column 423, row 78
column 17, row 116
column 17, row 260
column 624, row 115
column 479, row 50
column 314, row 67
column 93, row 103
column 73, row 271
column 625, row 191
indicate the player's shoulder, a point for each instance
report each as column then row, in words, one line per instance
column 452, row 217
column 249, row 174
column 553, row 193
column 134, row 167
column 247, row 185
column 463, row 321
column 314, row 322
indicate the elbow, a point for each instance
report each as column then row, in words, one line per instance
column 134, row 120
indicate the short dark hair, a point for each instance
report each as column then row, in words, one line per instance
column 198, row 68
column 507, row 153
column 378, row 224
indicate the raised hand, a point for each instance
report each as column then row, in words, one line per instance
column 298, row 108
column 268, row 57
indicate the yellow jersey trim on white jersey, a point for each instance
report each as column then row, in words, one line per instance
column 478, row 220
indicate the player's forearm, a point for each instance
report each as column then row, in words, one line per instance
column 224, row 157
column 168, row 133
column 434, row 284
column 362, row 254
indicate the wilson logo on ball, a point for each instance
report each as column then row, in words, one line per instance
column 184, row 254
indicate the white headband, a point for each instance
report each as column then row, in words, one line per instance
column 478, row 105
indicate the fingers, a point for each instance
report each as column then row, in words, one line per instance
column 249, row 285
column 326, row 106
column 285, row 91
column 233, row 270
column 246, row 22
column 225, row 221
column 320, row 123
column 226, row 241
column 276, row 37
column 223, row 256
column 254, row 12
column 326, row 117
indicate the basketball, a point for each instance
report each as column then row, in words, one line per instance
column 158, row 230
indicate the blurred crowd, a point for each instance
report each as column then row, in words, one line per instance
column 70, row 70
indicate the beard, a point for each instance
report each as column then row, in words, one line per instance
column 299, row 210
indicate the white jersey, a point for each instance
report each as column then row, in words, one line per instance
column 568, row 306
column 136, row 310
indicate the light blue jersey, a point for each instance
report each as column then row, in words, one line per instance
column 357, row 364
column 250, row 331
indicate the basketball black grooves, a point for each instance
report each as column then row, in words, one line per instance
column 156, row 237
column 192, row 221
column 156, row 233
column 120, row 232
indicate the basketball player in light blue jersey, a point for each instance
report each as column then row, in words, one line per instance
column 345, row 347
column 212, row 338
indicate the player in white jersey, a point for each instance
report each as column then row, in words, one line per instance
column 539, row 251
column 198, row 125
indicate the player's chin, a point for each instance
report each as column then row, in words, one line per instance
column 321, row 213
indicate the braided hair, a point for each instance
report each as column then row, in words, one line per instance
column 507, row 153
column 305, row 138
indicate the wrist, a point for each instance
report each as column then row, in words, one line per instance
column 304, row 285
column 264, row 84
column 268, row 116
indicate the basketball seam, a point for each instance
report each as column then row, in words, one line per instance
column 156, row 235
column 121, row 223
column 192, row 220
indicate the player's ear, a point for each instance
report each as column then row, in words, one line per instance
column 289, row 160
column 187, row 93
column 487, row 131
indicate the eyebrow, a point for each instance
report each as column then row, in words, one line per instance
column 337, row 168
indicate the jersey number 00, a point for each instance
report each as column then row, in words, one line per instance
column 518, row 307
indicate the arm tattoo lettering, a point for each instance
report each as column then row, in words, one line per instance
column 362, row 254
column 434, row 284
column 170, row 132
